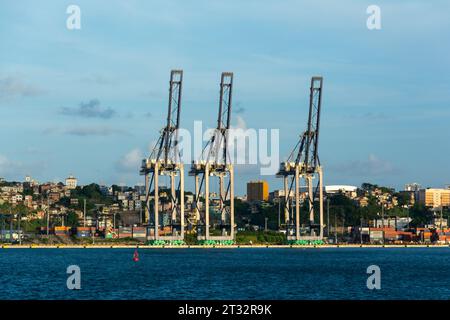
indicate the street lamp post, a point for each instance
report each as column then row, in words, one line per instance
column 10, row 225
column 335, row 228
column 48, row 214
column 84, row 213
column 328, row 217
column 360, row 231
column 18, row 227
column 409, row 215
column 382, row 220
column 96, row 227
column 3, row 227
column 279, row 213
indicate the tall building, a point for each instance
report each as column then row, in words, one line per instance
column 257, row 191
column 276, row 195
column 349, row 191
column 71, row 182
column 434, row 197
column 412, row 187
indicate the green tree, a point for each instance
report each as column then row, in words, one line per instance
column 403, row 198
column 72, row 219
column 241, row 212
column 420, row 215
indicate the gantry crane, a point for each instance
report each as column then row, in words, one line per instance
column 165, row 160
column 215, row 163
column 303, row 162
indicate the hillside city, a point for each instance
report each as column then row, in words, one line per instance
column 66, row 212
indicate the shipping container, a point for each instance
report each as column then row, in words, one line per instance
column 125, row 229
column 139, row 235
column 84, row 233
column 376, row 236
column 391, row 237
column 151, row 232
column 62, row 229
column 11, row 236
column 125, row 235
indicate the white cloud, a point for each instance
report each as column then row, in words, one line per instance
column 8, row 167
column 373, row 166
column 94, row 131
column 11, row 87
column 243, row 143
column 377, row 166
column 131, row 161
column 90, row 109
column 3, row 164
column 87, row 131
column 14, row 169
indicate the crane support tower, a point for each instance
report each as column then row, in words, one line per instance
column 215, row 210
column 304, row 164
column 165, row 214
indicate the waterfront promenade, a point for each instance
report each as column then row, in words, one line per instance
column 118, row 246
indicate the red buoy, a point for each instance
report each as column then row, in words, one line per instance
column 136, row 256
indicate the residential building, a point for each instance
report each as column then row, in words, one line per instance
column 28, row 201
column 349, row 191
column 257, row 191
column 412, row 187
column 363, row 201
column 54, row 196
column 434, row 198
column 275, row 195
column 71, row 182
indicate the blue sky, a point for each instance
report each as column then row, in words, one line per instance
column 385, row 103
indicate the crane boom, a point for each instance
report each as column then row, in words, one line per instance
column 164, row 160
column 311, row 159
column 217, row 165
column 306, row 164
column 167, row 145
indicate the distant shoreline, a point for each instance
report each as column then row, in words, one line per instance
column 6, row 246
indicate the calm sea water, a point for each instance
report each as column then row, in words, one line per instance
column 406, row 273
